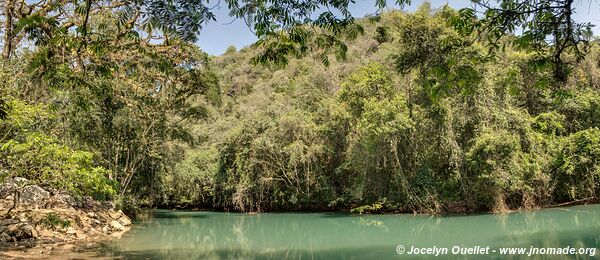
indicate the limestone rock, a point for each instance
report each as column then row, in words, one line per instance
column 4, row 237
column 80, row 235
column 88, row 202
column 71, row 231
column 7, row 222
column 115, row 215
column 37, row 215
column 125, row 221
column 20, row 181
column 22, row 231
column 116, row 225
column 29, row 231
column 10, row 185
column 7, row 189
column 66, row 200
column 34, row 195
column 87, row 218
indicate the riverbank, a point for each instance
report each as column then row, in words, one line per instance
column 40, row 221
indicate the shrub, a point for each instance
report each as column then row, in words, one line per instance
column 53, row 221
column 550, row 123
column 577, row 167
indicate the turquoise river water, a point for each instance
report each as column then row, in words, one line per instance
column 165, row 234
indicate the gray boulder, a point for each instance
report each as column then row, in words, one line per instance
column 7, row 189
column 34, row 195
column 11, row 184
column 66, row 200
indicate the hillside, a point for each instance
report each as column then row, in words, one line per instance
column 417, row 118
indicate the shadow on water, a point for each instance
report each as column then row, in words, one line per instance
column 179, row 215
column 336, row 215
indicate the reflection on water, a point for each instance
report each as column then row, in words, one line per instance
column 211, row 235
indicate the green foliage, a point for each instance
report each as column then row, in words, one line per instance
column 53, row 221
column 381, row 120
column 29, row 153
column 382, row 35
column 3, row 109
column 126, row 101
column 370, row 82
column 298, row 28
column 445, row 62
column 373, row 208
column 192, row 182
column 577, row 166
column 270, row 162
column 538, row 22
column 582, row 111
column 550, row 123
column 494, row 159
column 128, row 204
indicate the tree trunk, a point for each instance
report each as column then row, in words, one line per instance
column 15, row 199
column 8, row 24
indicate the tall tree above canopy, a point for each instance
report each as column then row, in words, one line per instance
column 297, row 27
column 545, row 25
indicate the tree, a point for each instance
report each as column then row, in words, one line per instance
column 286, row 27
column 547, row 26
column 297, row 27
column 122, row 90
column 8, row 25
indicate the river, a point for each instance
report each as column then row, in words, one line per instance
column 216, row 235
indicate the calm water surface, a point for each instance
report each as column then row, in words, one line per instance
column 211, row 235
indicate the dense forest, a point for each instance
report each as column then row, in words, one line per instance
column 437, row 110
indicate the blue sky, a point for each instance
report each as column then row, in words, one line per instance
column 217, row 36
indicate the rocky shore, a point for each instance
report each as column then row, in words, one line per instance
column 41, row 221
